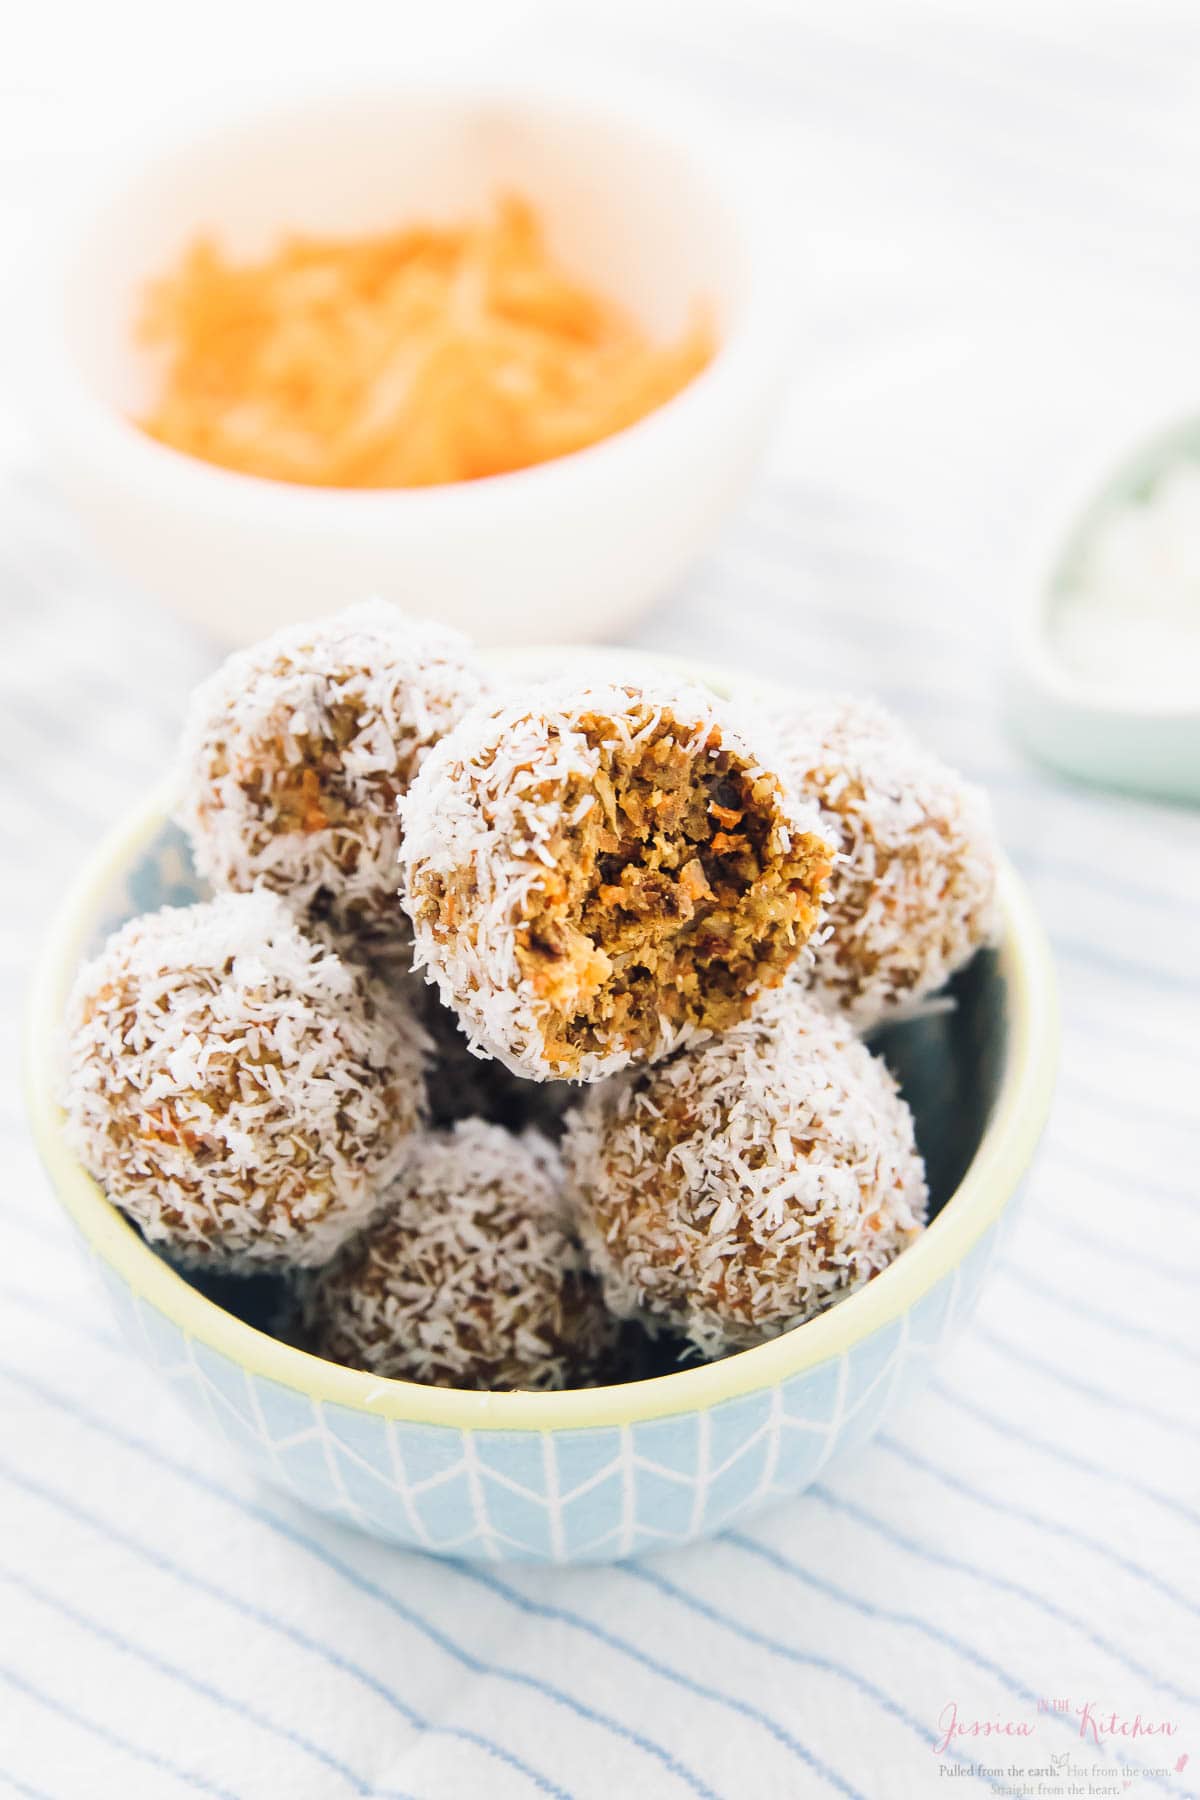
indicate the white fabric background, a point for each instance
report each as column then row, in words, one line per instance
column 991, row 216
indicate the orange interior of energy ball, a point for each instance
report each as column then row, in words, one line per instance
column 675, row 895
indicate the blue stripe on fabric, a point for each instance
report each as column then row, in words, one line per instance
column 1108, row 1321
column 1151, row 974
column 563, row 1615
column 614, row 1642
column 433, row 1632
column 666, row 1672
column 1038, row 865
column 44, row 798
column 1108, row 1100
column 1125, row 1034
column 1060, row 1453
column 1102, row 1396
column 118, row 1641
column 929, row 1737
column 904, row 83
column 111, row 695
column 1119, row 1179
column 502, row 1588
column 1113, row 1250
column 866, row 1519
column 478, row 1666
column 13, row 1784
column 47, row 729
column 803, row 1658
column 46, row 1306
column 1002, row 1583
column 1052, row 1527
column 138, row 1751
column 911, row 1621
column 29, row 1225
column 113, row 1534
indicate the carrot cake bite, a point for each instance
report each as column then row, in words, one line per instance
column 747, row 1182
column 596, row 873
column 233, row 1086
column 472, row 1275
column 912, row 894
column 297, row 750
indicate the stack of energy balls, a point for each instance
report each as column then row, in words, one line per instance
column 526, row 1020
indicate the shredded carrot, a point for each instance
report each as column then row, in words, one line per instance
column 428, row 355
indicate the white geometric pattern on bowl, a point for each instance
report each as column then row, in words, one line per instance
column 563, row 1495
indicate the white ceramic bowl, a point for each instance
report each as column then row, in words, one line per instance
column 1145, row 745
column 569, row 550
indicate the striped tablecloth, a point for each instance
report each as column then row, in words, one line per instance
column 998, row 256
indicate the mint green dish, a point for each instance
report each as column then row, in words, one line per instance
column 1143, row 743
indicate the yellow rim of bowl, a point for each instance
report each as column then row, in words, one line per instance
column 1000, row 1162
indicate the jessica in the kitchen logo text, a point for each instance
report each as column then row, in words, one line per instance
column 1097, row 1724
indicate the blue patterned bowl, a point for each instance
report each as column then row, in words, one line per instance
column 598, row 1473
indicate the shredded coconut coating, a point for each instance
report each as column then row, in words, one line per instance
column 471, row 1277
column 599, row 873
column 296, row 752
column 912, row 894
column 749, row 1182
column 461, row 1083
column 233, row 1086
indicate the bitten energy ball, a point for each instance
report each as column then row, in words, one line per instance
column 234, row 1088
column 912, row 895
column 297, row 750
column 471, row 1276
column 595, row 874
column 748, row 1182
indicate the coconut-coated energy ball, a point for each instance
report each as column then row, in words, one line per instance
column 233, row 1086
column 459, row 1083
column 471, row 1276
column 596, row 873
column 297, row 750
column 912, row 894
column 749, row 1181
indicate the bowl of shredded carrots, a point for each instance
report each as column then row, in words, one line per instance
column 506, row 355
